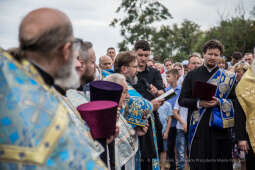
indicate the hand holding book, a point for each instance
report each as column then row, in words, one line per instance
column 167, row 95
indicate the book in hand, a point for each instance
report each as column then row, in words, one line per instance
column 167, row 95
column 203, row 90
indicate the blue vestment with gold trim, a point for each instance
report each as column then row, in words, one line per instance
column 222, row 116
column 155, row 162
column 36, row 126
column 106, row 72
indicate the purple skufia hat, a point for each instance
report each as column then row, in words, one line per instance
column 100, row 117
column 105, row 90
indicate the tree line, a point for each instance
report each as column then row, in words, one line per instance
column 142, row 19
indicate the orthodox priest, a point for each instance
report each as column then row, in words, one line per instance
column 38, row 127
column 209, row 119
column 245, row 114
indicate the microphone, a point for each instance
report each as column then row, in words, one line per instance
column 147, row 86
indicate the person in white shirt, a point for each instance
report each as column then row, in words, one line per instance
column 181, row 114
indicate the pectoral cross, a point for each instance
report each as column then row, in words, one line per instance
column 155, row 164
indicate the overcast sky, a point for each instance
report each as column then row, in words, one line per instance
column 91, row 18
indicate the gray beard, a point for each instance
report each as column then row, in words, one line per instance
column 132, row 80
column 67, row 76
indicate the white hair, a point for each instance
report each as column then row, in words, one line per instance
column 116, row 78
column 102, row 57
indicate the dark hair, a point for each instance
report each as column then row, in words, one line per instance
column 173, row 71
column 84, row 54
column 48, row 41
column 167, row 59
column 85, row 45
column 237, row 55
column 110, row 48
column 123, row 59
column 142, row 44
column 213, row 44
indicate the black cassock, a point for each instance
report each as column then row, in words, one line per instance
column 212, row 147
column 146, row 142
column 241, row 134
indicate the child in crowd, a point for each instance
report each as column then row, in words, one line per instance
column 222, row 63
column 180, row 69
column 172, row 77
column 165, row 116
column 181, row 114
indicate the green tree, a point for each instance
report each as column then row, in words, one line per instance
column 139, row 20
column 185, row 38
column 177, row 42
column 162, row 43
column 236, row 33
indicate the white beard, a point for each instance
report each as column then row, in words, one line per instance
column 67, row 77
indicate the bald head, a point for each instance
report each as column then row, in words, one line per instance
column 44, row 29
column 105, row 62
column 46, row 39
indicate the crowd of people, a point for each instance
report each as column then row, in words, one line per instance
column 60, row 110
